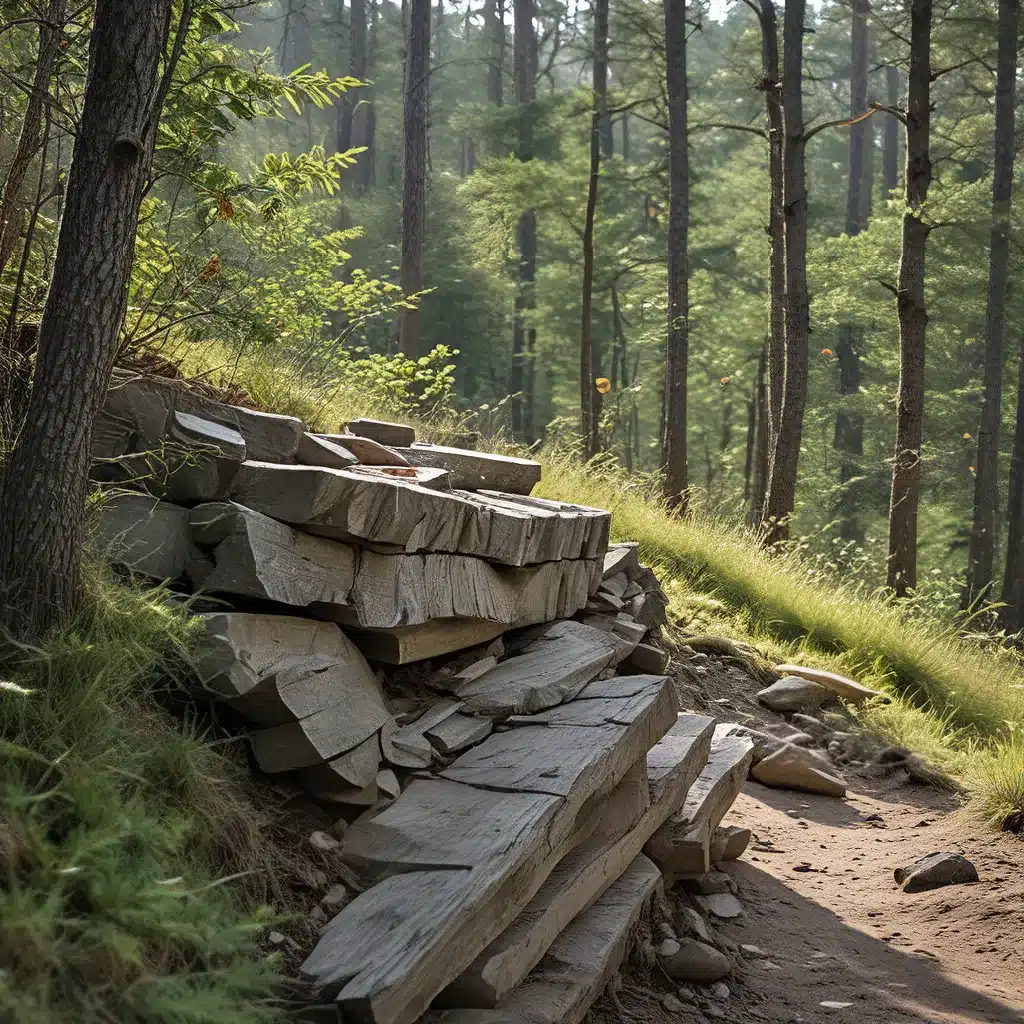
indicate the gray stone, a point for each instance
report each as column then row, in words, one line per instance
column 693, row 922
column 323, row 843
column 723, row 905
column 710, row 883
column 797, row 768
column 697, row 961
column 476, row 471
column 813, row 726
column 934, row 871
column 668, row 947
column 366, row 450
column 396, row 435
column 794, row 694
column 715, row 1012
column 748, row 949
column 335, row 898
column 720, row 990
column 319, row 451
column 728, row 842
column 848, row 689
column 150, row 537
column 671, row 1003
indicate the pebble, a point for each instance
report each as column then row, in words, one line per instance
column 668, row 947
column 665, row 929
column 693, row 922
column 723, row 905
column 323, row 842
column 697, row 961
column 934, row 871
column 276, row 938
column 834, row 1004
column 335, row 898
column 752, row 950
column 671, row 1003
column 720, row 990
column 716, row 1012
column 685, row 995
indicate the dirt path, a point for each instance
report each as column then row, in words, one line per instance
column 843, row 931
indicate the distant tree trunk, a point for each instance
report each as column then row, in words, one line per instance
column 776, row 233
column 673, row 445
column 786, row 448
column 760, row 477
column 891, row 139
column 45, row 478
column 849, row 429
column 494, row 31
column 467, row 147
column 981, row 550
column 364, row 127
column 589, row 406
column 348, row 136
column 414, row 175
column 31, row 136
column 913, row 317
column 524, row 331
column 1012, row 614
column 625, row 136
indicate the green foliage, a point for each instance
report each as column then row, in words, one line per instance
column 123, row 836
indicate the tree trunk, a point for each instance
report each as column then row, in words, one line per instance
column 981, row 550
column 786, row 449
column 673, row 445
column 777, row 259
column 494, row 30
column 364, row 126
column 589, row 407
column 849, row 428
column 913, row 317
column 467, row 148
column 524, row 331
column 414, row 175
column 45, row 478
column 891, row 139
column 761, row 443
column 348, row 136
column 31, row 136
column 1012, row 614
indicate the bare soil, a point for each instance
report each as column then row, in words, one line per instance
column 821, row 902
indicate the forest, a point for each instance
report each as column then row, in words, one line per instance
column 761, row 259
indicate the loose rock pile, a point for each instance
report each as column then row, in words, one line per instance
column 471, row 676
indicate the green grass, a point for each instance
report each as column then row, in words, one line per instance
column 122, row 835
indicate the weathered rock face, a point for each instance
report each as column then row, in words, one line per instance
column 795, row 694
column 935, row 871
column 792, row 767
column 697, row 961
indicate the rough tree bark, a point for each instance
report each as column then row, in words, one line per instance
column 414, row 175
column 849, row 428
column 494, row 30
column 45, row 478
column 524, row 331
column 349, row 134
column 588, row 404
column 981, row 549
column 761, row 441
column 891, row 139
column 785, row 454
column 673, row 444
column 910, row 307
column 776, row 356
column 31, row 136
column 1012, row 614
column 364, row 126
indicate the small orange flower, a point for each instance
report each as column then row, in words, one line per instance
column 967, row 437
column 211, row 270
column 603, row 385
column 723, row 381
column 826, row 351
column 63, row 44
column 224, row 209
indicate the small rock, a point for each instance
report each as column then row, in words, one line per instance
column 685, row 995
column 751, row 950
column 848, row 689
column 697, row 961
column 668, row 947
column 794, row 694
column 318, row 917
column 710, row 883
column 715, row 1012
column 277, row 938
column 324, row 843
column 934, row 871
column 692, row 922
column 726, row 944
column 723, row 905
column 729, row 842
column 335, row 898
column 798, row 768
column 672, row 1003
column 720, row 990
column 834, row 1004
column 812, row 726
column 665, row 930
column 339, row 828
column 874, row 817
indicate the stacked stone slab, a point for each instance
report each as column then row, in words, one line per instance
column 513, row 817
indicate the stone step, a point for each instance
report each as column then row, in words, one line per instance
column 475, row 471
column 457, row 857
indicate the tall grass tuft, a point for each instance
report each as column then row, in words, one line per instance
column 120, row 833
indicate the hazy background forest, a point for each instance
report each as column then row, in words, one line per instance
column 265, row 251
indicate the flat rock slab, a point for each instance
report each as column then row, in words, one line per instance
column 401, row 645
column 238, row 650
column 316, row 450
column 848, row 689
column 458, row 732
column 670, row 769
column 792, row 767
column 696, row 961
column 551, row 669
column 795, row 694
column 423, row 476
column 366, row 451
column 149, row 536
column 720, row 904
column 255, row 556
column 395, row 435
column 935, row 871
column 580, row 963
column 622, row 558
column 474, row 471
column 729, row 842
column 459, row 862
column 682, row 846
